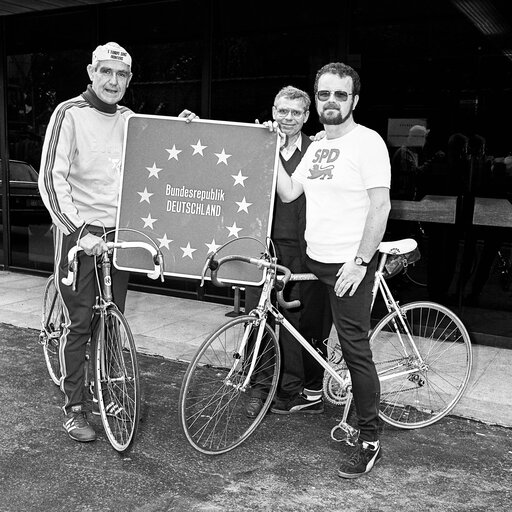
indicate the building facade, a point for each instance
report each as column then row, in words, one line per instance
column 445, row 65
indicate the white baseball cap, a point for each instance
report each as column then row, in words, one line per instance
column 111, row 51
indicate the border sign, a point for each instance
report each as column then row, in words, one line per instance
column 194, row 186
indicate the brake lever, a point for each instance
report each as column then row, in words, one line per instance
column 206, row 266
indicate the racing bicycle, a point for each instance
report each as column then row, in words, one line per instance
column 113, row 374
column 422, row 352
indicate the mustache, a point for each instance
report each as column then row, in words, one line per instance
column 331, row 106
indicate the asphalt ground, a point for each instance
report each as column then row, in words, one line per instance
column 289, row 464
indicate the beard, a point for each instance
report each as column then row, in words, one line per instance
column 337, row 118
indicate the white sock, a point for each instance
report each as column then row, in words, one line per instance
column 312, row 395
column 373, row 444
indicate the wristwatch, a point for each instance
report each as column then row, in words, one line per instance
column 359, row 261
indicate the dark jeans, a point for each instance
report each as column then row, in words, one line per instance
column 351, row 317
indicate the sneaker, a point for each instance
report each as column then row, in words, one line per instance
column 78, row 428
column 299, row 404
column 253, row 407
column 111, row 409
column 364, row 457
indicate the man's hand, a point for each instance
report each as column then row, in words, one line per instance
column 93, row 245
column 188, row 115
column 349, row 276
column 273, row 126
column 319, row 136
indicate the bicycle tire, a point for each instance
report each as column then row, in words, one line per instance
column 429, row 391
column 52, row 319
column 211, row 409
column 117, row 380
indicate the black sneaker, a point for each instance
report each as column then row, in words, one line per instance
column 78, row 428
column 298, row 404
column 253, row 407
column 362, row 460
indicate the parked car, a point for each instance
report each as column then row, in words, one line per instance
column 26, row 205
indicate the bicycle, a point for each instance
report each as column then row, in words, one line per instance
column 422, row 352
column 115, row 368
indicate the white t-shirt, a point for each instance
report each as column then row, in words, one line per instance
column 336, row 174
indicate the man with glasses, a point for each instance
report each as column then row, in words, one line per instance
column 300, row 385
column 346, row 178
column 79, row 183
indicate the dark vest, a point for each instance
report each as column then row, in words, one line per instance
column 289, row 220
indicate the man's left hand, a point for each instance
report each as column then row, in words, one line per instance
column 349, row 276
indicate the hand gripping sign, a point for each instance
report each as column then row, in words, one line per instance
column 193, row 187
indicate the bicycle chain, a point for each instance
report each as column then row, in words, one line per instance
column 333, row 392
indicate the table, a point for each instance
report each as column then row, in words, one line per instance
column 492, row 212
column 439, row 209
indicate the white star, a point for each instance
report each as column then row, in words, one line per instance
column 243, row 205
column 198, row 148
column 164, row 242
column 213, row 246
column 153, row 171
column 223, row 157
column 148, row 221
column 173, row 152
column 144, row 196
column 187, row 251
column 239, row 178
column 233, row 230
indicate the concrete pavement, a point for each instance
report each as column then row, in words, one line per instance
column 173, row 328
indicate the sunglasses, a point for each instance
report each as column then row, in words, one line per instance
column 339, row 95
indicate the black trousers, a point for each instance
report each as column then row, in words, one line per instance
column 78, row 314
column 351, row 317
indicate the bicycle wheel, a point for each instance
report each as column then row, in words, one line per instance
column 212, row 402
column 117, row 379
column 52, row 318
column 416, row 392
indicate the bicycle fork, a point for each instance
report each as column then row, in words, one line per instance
column 248, row 332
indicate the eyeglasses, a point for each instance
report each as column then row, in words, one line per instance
column 339, row 95
column 283, row 112
column 109, row 72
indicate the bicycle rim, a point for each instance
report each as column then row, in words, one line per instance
column 52, row 318
column 117, row 381
column 418, row 393
column 212, row 404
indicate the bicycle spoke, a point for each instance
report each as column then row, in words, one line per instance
column 424, row 372
column 213, row 399
column 118, row 382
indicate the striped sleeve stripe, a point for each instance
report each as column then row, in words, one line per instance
column 50, row 161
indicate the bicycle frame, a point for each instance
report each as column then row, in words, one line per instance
column 265, row 307
column 421, row 350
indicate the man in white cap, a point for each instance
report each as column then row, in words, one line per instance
column 79, row 183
